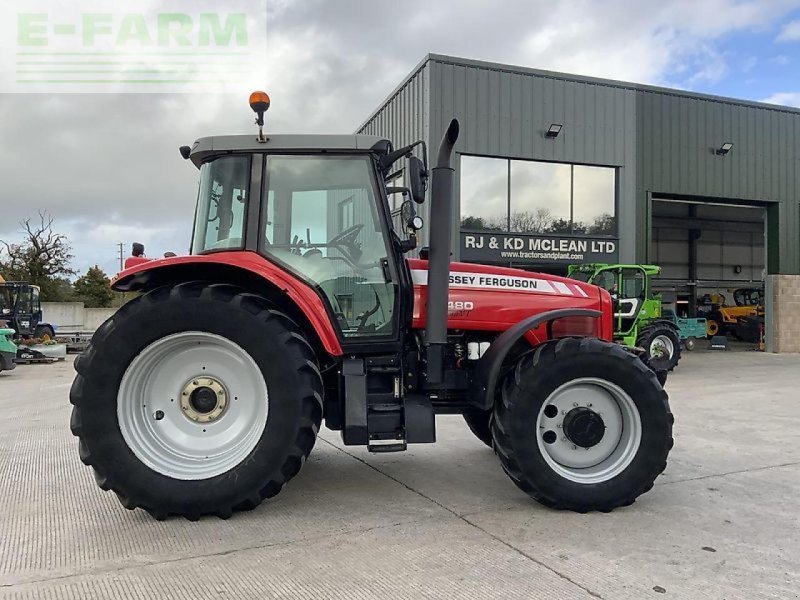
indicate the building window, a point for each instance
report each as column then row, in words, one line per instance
column 593, row 200
column 484, row 193
column 525, row 196
column 540, row 197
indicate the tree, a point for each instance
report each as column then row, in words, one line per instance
column 472, row 223
column 94, row 288
column 42, row 258
column 482, row 224
column 537, row 221
column 603, row 224
column 560, row 226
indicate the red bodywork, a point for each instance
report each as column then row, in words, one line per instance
column 299, row 292
column 487, row 298
column 482, row 298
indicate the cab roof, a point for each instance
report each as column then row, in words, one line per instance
column 223, row 144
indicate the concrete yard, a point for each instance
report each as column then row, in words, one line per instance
column 440, row 521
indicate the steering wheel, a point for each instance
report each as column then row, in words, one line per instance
column 346, row 237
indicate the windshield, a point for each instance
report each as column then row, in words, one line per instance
column 584, row 276
column 221, row 204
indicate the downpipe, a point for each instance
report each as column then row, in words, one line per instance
column 439, row 257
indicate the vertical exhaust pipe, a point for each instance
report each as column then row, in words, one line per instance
column 439, row 257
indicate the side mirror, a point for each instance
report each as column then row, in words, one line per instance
column 417, row 179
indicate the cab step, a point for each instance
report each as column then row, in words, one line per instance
column 378, row 446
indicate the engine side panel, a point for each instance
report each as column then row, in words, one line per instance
column 487, row 298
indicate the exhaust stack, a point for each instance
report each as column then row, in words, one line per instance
column 439, row 261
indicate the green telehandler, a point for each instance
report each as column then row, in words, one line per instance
column 638, row 319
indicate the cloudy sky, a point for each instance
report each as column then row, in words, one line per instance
column 106, row 166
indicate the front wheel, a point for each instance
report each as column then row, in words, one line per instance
column 581, row 424
column 196, row 399
column 662, row 346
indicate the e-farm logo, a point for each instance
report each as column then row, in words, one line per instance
column 168, row 46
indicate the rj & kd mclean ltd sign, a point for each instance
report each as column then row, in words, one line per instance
column 536, row 248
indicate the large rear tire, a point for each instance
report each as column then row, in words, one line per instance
column 581, row 424
column 196, row 399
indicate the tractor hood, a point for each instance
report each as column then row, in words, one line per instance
column 491, row 298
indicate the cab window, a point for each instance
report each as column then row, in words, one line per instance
column 221, row 204
column 322, row 223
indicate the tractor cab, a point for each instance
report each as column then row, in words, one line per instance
column 638, row 320
column 317, row 206
column 21, row 309
column 630, row 288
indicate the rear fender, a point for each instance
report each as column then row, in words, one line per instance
column 249, row 271
column 487, row 371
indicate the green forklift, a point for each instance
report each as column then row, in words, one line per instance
column 638, row 318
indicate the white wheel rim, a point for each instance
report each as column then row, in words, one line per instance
column 177, row 445
column 662, row 347
column 620, row 441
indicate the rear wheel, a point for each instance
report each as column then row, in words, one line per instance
column 44, row 330
column 479, row 424
column 196, row 399
column 583, row 425
column 712, row 327
column 662, row 346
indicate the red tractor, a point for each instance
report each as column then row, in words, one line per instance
column 204, row 395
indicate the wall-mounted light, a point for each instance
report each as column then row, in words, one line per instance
column 554, row 130
column 724, row 149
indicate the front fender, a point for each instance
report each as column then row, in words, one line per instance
column 248, row 270
column 488, row 368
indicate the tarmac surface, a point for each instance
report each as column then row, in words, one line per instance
column 438, row 521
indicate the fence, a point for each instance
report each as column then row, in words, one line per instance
column 74, row 316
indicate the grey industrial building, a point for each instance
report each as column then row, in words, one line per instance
column 556, row 168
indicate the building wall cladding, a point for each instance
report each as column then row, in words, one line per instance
column 661, row 141
column 405, row 116
column 677, row 136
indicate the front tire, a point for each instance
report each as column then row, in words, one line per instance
column 581, row 424
column 662, row 346
column 196, row 399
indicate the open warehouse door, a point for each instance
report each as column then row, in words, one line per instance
column 712, row 256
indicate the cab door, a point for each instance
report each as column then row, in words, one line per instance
column 633, row 292
column 25, row 309
column 322, row 221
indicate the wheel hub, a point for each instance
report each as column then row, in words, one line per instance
column 584, row 427
column 203, row 399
